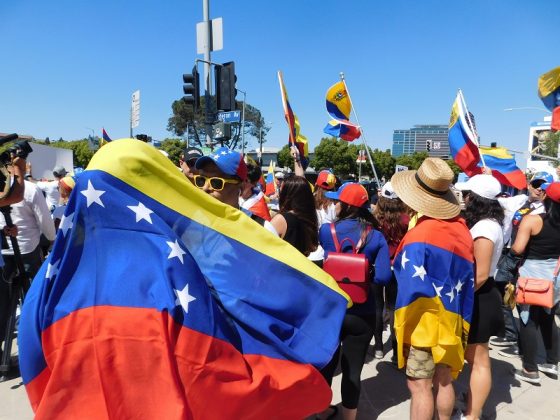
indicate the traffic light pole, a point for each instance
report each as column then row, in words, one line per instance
column 207, row 48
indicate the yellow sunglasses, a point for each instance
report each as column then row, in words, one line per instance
column 216, row 183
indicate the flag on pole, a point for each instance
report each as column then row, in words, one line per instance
column 549, row 88
column 105, row 138
column 503, row 166
column 270, row 180
column 157, row 301
column 296, row 138
column 463, row 141
column 339, row 108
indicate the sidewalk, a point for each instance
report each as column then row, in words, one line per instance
column 385, row 395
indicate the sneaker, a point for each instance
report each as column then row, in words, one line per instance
column 512, row 351
column 531, row 377
column 379, row 354
column 549, row 369
column 502, row 342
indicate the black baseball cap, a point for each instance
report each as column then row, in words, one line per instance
column 191, row 153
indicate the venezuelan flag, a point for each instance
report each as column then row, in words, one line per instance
column 462, row 137
column 503, row 166
column 434, row 270
column 549, row 88
column 344, row 130
column 105, row 139
column 158, row 301
column 270, row 180
column 296, row 138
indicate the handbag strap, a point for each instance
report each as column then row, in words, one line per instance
column 335, row 239
column 355, row 248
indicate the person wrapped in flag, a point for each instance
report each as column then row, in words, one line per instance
column 339, row 108
column 159, row 301
column 434, row 270
column 252, row 198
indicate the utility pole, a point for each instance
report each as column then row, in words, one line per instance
column 207, row 48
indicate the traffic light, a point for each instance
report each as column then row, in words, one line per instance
column 428, row 145
column 225, row 79
column 191, row 88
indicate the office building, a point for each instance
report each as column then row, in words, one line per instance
column 422, row 138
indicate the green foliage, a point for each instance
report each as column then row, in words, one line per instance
column 550, row 145
column 82, row 153
column 184, row 118
column 340, row 156
column 413, row 161
column 384, row 164
column 174, row 147
column 454, row 167
column 285, row 158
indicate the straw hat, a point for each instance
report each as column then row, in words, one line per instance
column 427, row 190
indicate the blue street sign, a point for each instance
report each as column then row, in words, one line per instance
column 229, row 117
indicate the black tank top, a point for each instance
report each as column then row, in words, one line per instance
column 294, row 232
column 545, row 244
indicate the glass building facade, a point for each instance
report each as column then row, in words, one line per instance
column 420, row 138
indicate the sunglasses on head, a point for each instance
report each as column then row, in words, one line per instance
column 216, row 183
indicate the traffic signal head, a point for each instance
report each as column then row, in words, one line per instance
column 428, row 145
column 225, row 79
column 191, row 88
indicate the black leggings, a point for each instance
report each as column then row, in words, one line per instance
column 539, row 319
column 355, row 336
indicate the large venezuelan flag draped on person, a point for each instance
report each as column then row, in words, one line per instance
column 434, row 270
column 503, row 166
column 295, row 138
column 158, row 301
column 339, row 108
column 463, row 138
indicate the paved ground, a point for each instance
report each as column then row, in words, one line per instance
column 385, row 396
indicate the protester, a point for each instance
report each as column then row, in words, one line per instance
column 434, row 270
column 393, row 217
column 50, row 188
column 252, row 197
column 221, row 175
column 296, row 222
column 515, row 208
column 484, row 217
column 325, row 208
column 65, row 187
column 537, row 249
column 358, row 224
column 187, row 161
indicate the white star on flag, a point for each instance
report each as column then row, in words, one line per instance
column 66, row 223
column 451, row 295
column 404, row 260
column 93, row 195
column 419, row 272
column 224, row 152
column 437, row 289
column 52, row 270
column 459, row 286
column 183, row 298
column 176, row 250
column 142, row 212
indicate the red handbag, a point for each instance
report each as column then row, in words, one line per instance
column 350, row 270
column 537, row 292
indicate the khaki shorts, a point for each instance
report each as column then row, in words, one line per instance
column 419, row 362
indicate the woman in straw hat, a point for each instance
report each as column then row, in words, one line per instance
column 434, row 270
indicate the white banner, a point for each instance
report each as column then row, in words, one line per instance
column 400, row 168
column 135, row 110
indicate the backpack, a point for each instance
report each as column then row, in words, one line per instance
column 350, row 270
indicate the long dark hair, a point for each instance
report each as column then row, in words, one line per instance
column 364, row 216
column 296, row 197
column 389, row 213
column 553, row 213
column 479, row 208
column 321, row 202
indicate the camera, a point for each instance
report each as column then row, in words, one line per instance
column 19, row 149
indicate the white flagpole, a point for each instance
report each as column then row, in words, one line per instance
column 361, row 129
column 473, row 128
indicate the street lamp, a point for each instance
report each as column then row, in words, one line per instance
column 538, row 108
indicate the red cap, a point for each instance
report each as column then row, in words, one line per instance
column 553, row 192
column 326, row 180
column 350, row 193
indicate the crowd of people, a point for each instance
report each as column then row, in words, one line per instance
column 443, row 259
column 490, row 237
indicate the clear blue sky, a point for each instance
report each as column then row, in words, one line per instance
column 72, row 65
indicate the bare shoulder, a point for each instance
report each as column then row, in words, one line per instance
column 280, row 224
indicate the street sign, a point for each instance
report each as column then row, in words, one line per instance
column 437, row 145
column 400, row 168
column 135, row 110
column 231, row 116
column 217, row 36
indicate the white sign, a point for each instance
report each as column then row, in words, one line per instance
column 216, row 39
column 437, row 145
column 44, row 158
column 400, row 168
column 135, row 110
